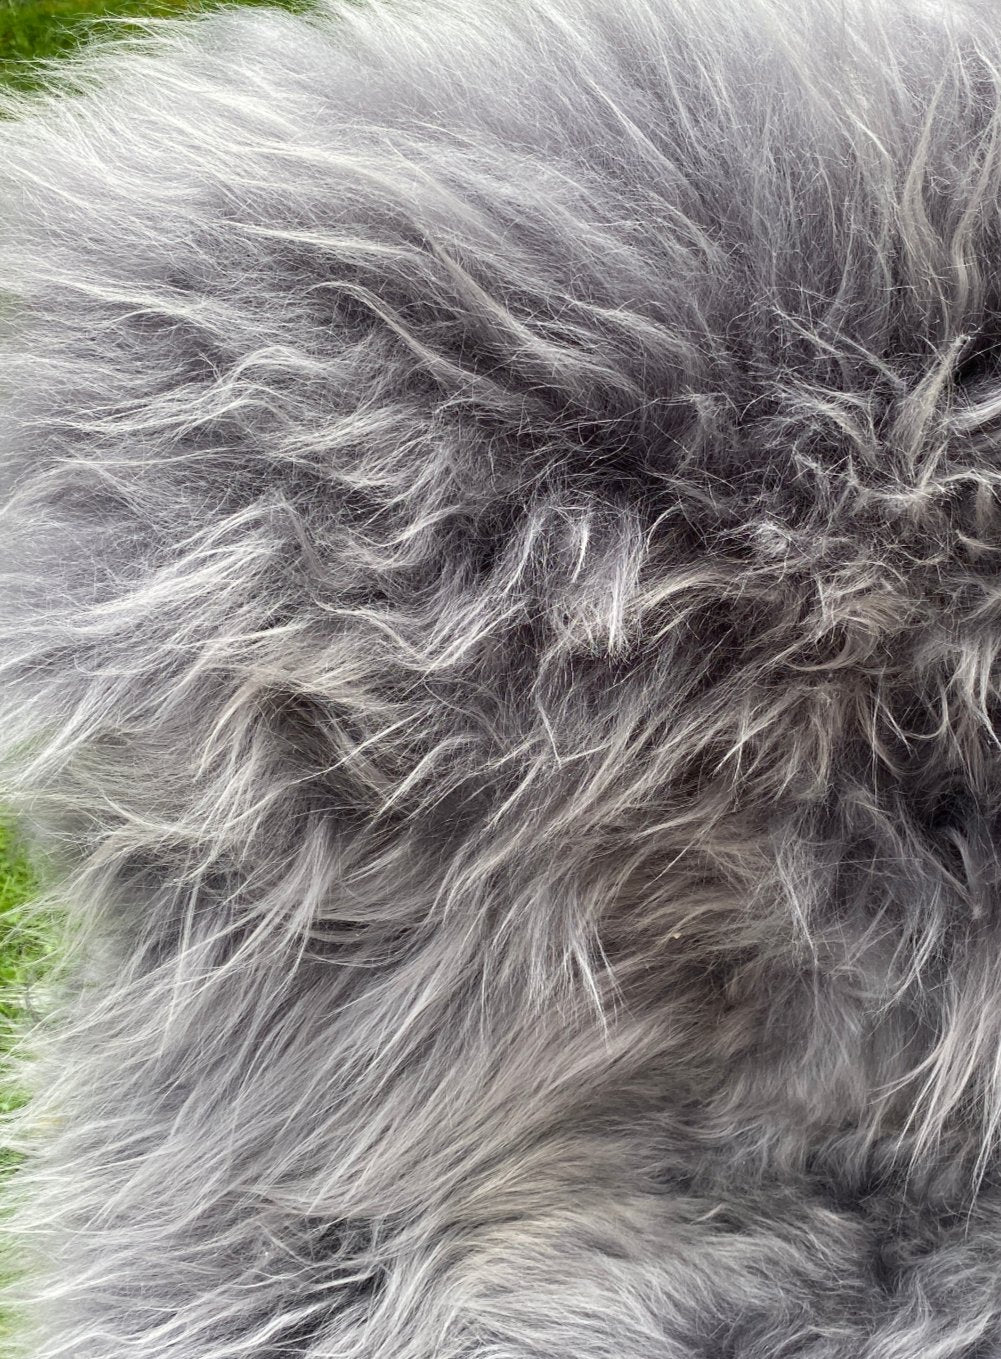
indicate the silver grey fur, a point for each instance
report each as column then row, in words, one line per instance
column 501, row 628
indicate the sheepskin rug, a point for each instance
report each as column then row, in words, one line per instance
column 500, row 609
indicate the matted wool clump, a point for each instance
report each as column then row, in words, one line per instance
column 500, row 647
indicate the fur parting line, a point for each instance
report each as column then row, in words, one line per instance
column 500, row 658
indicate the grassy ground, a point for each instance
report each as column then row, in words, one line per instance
column 24, row 945
column 34, row 29
column 31, row 30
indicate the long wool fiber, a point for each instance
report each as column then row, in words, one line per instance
column 500, row 652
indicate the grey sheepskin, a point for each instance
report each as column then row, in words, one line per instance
column 500, row 652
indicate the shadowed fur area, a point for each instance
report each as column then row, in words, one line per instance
column 500, row 652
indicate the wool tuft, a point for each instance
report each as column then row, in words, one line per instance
column 500, row 658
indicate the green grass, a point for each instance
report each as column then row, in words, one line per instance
column 34, row 29
column 31, row 30
column 24, row 947
column 27, row 947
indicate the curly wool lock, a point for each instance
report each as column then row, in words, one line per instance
column 501, row 614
